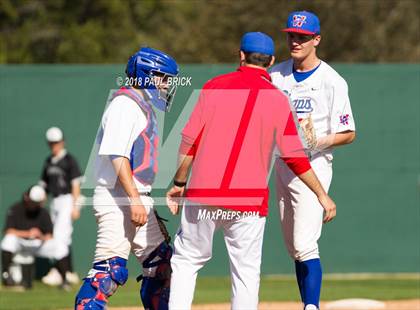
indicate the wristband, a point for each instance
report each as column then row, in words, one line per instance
column 179, row 184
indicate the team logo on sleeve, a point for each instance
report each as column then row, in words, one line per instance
column 299, row 20
column 303, row 105
column 344, row 119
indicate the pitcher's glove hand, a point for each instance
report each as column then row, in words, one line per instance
column 308, row 130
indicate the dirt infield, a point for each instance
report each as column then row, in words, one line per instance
column 411, row 304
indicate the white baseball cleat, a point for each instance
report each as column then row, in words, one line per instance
column 53, row 278
column 311, row 307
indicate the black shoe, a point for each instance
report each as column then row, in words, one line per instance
column 6, row 279
column 27, row 273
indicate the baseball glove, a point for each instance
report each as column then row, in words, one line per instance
column 308, row 130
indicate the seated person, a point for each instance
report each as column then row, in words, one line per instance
column 28, row 231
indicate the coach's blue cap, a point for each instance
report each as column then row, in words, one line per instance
column 257, row 42
column 303, row 22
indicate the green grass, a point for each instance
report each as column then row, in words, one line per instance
column 217, row 289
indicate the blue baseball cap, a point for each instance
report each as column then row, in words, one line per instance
column 257, row 42
column 303, row 22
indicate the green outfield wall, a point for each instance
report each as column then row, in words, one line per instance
column 376, row 182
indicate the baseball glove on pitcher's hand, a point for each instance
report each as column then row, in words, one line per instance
column 309, row 132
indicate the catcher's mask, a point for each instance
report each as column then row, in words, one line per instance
column 153, row 71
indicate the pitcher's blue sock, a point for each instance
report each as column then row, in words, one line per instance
column 309, row 278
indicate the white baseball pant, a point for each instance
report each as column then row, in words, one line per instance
column 117, row 235
column 36, row 247
column 193, row 248
column 301, row 214
column 60, row 211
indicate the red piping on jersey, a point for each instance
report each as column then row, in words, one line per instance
column 146, row 159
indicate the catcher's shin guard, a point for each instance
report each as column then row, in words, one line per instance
column 154, row 291
column 95, row 290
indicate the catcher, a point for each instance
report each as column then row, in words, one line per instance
column 125, row 170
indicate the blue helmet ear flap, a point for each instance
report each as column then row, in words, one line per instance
column 130, row 69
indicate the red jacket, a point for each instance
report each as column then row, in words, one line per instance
column 238, row 120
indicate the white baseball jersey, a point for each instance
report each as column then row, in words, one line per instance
column 323, row 96
column 121, row 124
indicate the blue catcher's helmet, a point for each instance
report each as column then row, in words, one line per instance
column 148, row 64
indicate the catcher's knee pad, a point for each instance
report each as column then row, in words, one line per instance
column 154, row 291
column 95, row 290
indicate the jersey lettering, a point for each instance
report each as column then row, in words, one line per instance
column 303, row 105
